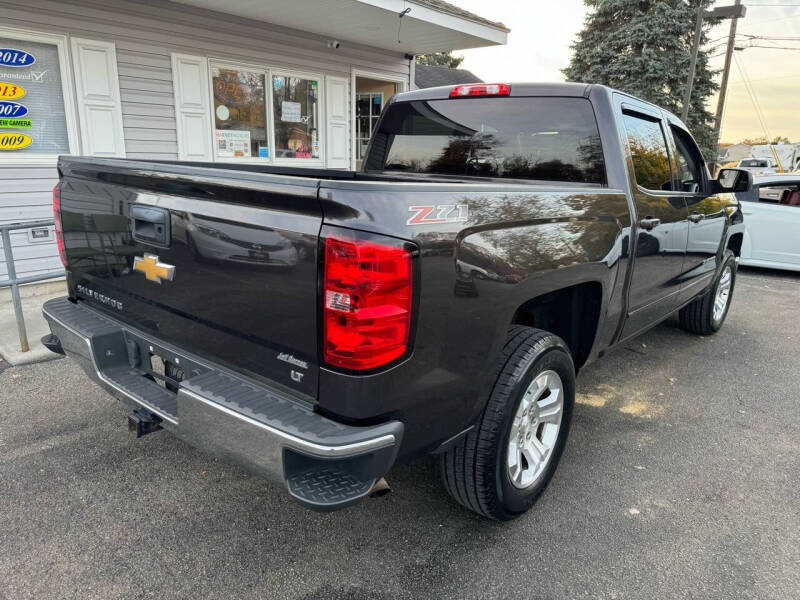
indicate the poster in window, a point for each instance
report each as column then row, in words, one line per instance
column 30, row 71
column 232, row 143
column 291, row 112
column 240, row 110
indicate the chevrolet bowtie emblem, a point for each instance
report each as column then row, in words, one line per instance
column 152, row 268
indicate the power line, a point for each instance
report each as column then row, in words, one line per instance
column 781, row 38
column 753, row 97
column 775, row 47
column 771, row 78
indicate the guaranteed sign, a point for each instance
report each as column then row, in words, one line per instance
column 14, row 141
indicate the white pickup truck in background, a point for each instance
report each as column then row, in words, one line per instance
column 758, row 166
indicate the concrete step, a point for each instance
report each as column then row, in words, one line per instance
column 33, row 297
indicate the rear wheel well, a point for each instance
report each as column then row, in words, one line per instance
column 571, row 313
column 735, row 243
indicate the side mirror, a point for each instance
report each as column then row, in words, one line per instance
column 734, row 180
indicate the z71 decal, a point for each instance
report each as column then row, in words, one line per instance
column 443, row 213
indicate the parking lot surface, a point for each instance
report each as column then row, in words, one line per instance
column 680, row 480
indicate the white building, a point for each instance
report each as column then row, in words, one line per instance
column 275, row 82
column 789, row 154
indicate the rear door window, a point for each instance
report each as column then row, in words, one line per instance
column 648, row 148
column 554, row 139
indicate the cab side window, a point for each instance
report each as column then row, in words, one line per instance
column 690, row 163
column 648, row 147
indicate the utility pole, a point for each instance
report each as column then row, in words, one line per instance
column 723, row 88
column 687, row 94
column 735, row 11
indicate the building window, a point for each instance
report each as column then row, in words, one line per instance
column 33, row 120
column 368, row 109
column 296, row 114
column 240, row 114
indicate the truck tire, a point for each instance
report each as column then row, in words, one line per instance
column 705, row 314
column 502, row 466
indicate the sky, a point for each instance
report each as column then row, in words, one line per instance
column 542, row 31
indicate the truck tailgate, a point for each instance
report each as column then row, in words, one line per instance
column 222, row 263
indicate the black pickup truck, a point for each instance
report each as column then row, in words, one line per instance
column 320, row 326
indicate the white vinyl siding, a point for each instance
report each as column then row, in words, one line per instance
column 26, row 194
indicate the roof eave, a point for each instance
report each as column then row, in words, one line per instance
column 480, row 34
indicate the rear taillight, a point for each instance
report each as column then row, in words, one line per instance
column 57, row 220
column 367, row 302
column 480, row 89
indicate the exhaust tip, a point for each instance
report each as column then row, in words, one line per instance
column 381, row 488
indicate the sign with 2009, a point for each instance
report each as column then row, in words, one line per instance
column 11, row 57
column 14, row 141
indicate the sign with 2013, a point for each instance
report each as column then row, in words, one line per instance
column 11, row 57
column 11, row 91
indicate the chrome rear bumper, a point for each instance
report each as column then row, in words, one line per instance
column 324, row 464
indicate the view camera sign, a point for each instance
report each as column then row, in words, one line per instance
column 11, row 57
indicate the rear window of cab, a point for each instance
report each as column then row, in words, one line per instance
column 535, row 138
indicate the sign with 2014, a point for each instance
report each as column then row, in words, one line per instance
column 11, row 57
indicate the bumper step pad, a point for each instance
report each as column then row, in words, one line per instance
column 325, row 487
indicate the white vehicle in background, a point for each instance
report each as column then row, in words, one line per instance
column 758, row 166
column 772, row 222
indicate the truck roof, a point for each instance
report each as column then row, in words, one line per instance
column 516, row 89
column 565, row 89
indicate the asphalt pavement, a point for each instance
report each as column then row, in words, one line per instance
column 681, row 479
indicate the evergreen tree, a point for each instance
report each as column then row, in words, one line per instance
column 643, row 47
column 440, row 59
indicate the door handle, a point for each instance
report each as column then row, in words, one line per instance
column 696, row 217
column 649, row 222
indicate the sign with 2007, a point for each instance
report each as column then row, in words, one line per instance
column 12, row 109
